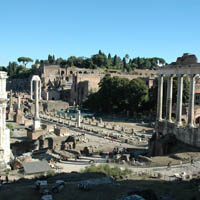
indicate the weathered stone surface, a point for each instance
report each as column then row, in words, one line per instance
column 19, row 117
column 161, row 145
column 187, row 59
column 35, row 134
column 61, row 131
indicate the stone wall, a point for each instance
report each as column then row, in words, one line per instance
column 186, row 135
column 55, row 105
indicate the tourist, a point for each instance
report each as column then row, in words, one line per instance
column 192, row 160
column 7, row 179
column 169, row 164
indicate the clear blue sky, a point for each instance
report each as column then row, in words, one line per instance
column 145, row 28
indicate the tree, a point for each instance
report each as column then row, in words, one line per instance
column 115, row 60
column 124, row 63
column 127, row 57
column 51, row 59
column 2, row 68
column 37, row 61
column 100, row 60
column 24, row 60
column 137, row 94
column 12, row 68
column 118, row 95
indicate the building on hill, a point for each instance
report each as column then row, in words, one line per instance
column 73, row 84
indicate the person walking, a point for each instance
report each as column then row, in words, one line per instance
column 7, row 178
column 192, row 160
column 169, row 164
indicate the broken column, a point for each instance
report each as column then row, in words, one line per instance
column 36, row 131
column 4, row 131
column 20, row 115
column 11, row 113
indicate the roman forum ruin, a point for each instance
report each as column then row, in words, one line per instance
column 186, row 65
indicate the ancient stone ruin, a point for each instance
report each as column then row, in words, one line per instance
column 4, row 131
column 184, row 66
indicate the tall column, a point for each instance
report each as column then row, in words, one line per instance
column 169, row 98
column 40, row 90
column 179, row 100
column 160, row 97
column 36, row 100
column 191, row 101
column 31, row 89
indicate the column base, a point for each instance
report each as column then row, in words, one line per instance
column 169, row 120
column 178, row 124
column 191, row 125
column 36, row 125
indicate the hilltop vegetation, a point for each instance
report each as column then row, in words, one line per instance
column 106, row 61
column 99, row 60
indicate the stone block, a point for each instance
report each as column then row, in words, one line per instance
column 19, row 117
column 49, row 127
column 35, row 134
column 28, row 122
column 11, row 116
column 61, row 131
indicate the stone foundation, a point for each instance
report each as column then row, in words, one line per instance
column 11, row 116
column 19, row 117
column 28, row 123
column 61, row 131
column 35, row 134
column 49, row 127
column 186, row 135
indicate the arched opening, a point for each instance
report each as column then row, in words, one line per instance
column 197, row 120
column 183, row 121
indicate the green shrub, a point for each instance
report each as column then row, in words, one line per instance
column 10, row 126
column 50, row 173
column 106, row 169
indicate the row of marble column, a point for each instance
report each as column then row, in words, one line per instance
column 179, row 99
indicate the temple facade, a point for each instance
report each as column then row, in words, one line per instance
column 189, row 132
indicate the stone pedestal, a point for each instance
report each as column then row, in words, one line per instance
column 36, row 124
column 19, row 117
column 11, row 115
